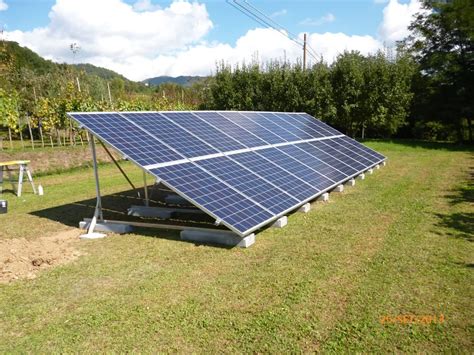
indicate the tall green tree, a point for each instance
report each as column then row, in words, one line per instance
column 442, row 44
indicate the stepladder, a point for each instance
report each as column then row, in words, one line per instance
column 6, row 167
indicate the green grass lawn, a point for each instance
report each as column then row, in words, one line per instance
column 398, row 243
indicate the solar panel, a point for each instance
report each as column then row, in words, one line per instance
column 245, row 169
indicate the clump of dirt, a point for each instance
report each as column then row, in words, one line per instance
column 21, row 258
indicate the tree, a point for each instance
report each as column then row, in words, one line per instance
column 442, row 44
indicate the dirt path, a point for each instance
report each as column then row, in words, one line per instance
column 21, row 258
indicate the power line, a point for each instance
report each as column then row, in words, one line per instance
column 257, row 15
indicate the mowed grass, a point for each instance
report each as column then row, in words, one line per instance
column 398, row 243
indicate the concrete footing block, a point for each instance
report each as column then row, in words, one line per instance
column 384, row 163
column 370, row 171
column 218, row 237
column 362, row 176
column 351, row 182
column 377, row 166
column 93, row 235
column 145, row 211
column 305, row 208
column 174, row 199
column 108, row 227
column 280, row 222
column 339, row 188
column 323, row 197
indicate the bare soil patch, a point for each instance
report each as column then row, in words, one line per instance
column 24, row 259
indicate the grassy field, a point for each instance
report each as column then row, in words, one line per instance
column 399, row 243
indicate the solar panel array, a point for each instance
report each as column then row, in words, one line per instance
column 243, row 168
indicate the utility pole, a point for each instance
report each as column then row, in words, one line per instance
column 304, row 51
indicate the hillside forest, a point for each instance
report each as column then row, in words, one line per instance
column 423, row 89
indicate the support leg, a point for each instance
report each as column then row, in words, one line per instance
column 98, row 207
column 145, row 187
column 30, row 179
column 1, row 179
column 20, row 180
column 10, row 177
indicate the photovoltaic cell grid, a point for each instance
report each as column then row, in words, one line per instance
column 243, row 168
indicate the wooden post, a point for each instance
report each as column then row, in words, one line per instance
column 31, row 133
column 10, row 137
column 51, row 139
column 41, row 134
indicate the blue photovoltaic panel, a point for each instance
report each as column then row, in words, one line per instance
column 356, row 150
column 309, row 129
column 205, row 131
column 170, row 133
column 126, row 137
column 274, row 173
column 230, row 129
column 353, row 143
column 284, row 121
column 314, row 160
column 213, row 195
column 311, row 177
column 324, row 128
column 243, row 120
column 333, row 150
column 243, row 168
column 337, row 160
column 273, row 126
column 250, row 184
column 347, row 151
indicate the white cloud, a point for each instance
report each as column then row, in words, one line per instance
column 145, row 5
column 142, row 41
column 113, row 31
column 3, row 5
column 328, row 18
column 396, row 19
column 279, row 13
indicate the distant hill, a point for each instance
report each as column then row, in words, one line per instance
column 100, row 72
column 181, row 80
column 26, row 58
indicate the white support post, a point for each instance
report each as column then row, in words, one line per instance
column 1, row 179
column 30, row 179
column 384, row 163
column 362, row 176
column 370, row 171
column 20, row 180
column 98, row 207
column 377, row 166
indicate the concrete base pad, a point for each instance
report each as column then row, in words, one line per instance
column 339, row 188
column 305, row 208
column 362, row 176
column 323, row 197
column 351, row 182
column 377, row 167
column 93, row 235
column 280, row 222
column 370, row 171
column 384, row 163
column 160, row 212
column 218, row 237
column 108, row 227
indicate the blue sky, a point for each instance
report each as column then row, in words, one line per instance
column 202, row 29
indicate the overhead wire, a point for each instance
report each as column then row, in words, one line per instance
column 257, row 15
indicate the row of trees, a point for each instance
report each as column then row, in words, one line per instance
column 361, row 95
column 36, row 94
